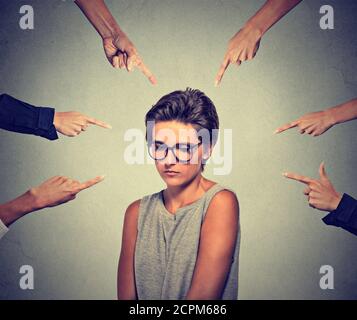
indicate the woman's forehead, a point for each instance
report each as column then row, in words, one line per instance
column 173, row 130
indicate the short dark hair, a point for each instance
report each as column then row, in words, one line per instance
column 191, row 106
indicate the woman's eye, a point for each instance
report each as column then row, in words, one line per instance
column 160, row 147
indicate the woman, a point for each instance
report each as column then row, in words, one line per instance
column 181, row 242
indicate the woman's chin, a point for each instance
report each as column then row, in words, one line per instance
column 174, row 181
column 171, row 183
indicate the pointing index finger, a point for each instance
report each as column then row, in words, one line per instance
column 287, row 126
column 90, row 183
column 221, row 71
column 146, row 71
column 298, row 177
column 98, row 123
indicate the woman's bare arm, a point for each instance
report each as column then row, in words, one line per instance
column 126, row 279
column 217, row 244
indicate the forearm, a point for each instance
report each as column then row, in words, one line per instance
column 17, row 208
column 125, row 278
column 126, row 293
column 208, row 282
column 100, row 17
column 344, row 112
column 271, row 12
column 194, row 294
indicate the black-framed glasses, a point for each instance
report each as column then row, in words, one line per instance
column 183, row 152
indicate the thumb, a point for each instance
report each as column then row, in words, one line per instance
column 322, row 172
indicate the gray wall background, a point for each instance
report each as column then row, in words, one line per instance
column 299, row 68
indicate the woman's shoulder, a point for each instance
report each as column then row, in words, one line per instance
column 135, row 205
column 221, row 215
column 219, row 192
column 132, row 211
column 139, row 210
column 150, row 199
column 222, row 199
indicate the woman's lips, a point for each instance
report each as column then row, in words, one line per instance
column 171, row 173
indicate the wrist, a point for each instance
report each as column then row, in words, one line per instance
column 112, row 30
column 117, row 36
column 32, row 200
column 332, row 114
column 116, row 32
column 17, row 208
column 255, row 28
column 335, row 201
column 56, row 120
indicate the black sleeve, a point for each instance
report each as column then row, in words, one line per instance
column 345, row 215
column 19, row 116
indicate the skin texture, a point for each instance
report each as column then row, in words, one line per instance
column 217, row 243
column 72, row 124
column 126, row 276
column 52, row 192
column 320, row 193
column 245, row 43
column 119, row 50
column 317, row 123
column 219, row 229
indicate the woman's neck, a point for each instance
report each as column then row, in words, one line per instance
column 180, row 196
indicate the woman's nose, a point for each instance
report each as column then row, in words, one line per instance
column 170, row 158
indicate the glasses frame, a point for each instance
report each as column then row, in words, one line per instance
column 191, row 150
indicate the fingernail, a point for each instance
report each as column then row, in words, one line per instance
column 216, row 83
column 153, row 80
column 284, row 174
column 102, row 177
column 109, row 126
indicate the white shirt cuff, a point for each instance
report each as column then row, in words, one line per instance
column 3, row 229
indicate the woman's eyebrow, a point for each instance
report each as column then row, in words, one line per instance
column 159, row 142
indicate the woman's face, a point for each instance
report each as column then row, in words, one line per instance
column 178, row 152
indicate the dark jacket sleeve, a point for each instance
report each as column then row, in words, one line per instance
column 345, row 215
column 19, row 116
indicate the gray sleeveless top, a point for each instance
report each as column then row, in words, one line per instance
column 167, row 247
